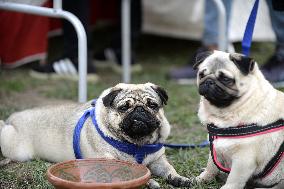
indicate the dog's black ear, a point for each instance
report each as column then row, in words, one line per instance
column 161, row 93
column 244, row 63
column 108, row 99
column 200, row 57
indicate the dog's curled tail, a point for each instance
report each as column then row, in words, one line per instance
column 6, row 160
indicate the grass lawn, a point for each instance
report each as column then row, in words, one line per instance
column 157, row 55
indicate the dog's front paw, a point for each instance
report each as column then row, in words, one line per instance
column 204, row 177
column 179, row 181
column 152, row 184
column 5, row 162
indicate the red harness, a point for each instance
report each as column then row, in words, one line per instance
column 244, row 132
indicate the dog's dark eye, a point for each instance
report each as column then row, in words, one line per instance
column 201, row 74
column 226, row 80
column 153, row 105
column 123, row 108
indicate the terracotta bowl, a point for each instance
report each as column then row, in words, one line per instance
column 97, row 173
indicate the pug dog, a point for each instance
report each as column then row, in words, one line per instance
column 234, row 94
column 126, row 112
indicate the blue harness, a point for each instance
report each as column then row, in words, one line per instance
column 138, row 152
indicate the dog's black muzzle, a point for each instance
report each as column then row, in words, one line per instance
column 216, row 93
column 139, row 123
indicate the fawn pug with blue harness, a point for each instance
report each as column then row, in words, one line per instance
column 244, row 116
column 126, row 122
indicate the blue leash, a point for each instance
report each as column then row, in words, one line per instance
column 186, row 146
column 138, row 152
column 247, row 38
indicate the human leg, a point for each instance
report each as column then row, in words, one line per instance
column 273, row 69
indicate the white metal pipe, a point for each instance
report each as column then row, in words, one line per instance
column 82, row 39
column 82, row 54
column 126, row 37
column 222, row 37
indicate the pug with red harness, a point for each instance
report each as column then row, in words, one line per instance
column 244, row 116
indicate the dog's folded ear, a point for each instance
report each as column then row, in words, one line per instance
column 245, row 64
column 109, row 98
column 161, row 93
column 200, row 57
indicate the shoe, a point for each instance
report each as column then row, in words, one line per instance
column 186, row 75
column 62, row 69
column 273, row 71
column 111, row 58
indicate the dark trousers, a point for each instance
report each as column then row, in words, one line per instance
column 81, row 9
column 136, row 24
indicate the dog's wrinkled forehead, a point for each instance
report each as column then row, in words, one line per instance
column 134, row 93
column 136, row 96
column 216, row 62
column 230, row 61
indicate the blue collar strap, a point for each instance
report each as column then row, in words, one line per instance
column 247, row 38
column 138, row 152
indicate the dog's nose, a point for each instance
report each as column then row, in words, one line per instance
column 209, row 82
column 138, row 123
column 139, row 109
column 205, row 86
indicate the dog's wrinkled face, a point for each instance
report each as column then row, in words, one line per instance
column 222, row 77
column 135, row 112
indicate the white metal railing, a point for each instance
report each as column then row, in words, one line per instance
column 126, row 37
